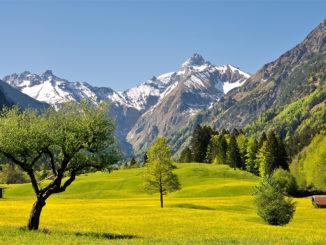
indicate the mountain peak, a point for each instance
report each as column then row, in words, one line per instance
column 47, row 73
column 194, row 60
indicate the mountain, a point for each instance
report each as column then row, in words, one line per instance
column 294, row 75
column 10, row 96
column 196, row 86
column 159, row 106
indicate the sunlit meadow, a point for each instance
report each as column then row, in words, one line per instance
column 215, row 206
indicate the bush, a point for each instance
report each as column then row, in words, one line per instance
column 286, row 181
column 11, row 174
column 271, row 203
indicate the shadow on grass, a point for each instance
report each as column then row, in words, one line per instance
column 104, row 235
column 98, row 235
column 192, row 206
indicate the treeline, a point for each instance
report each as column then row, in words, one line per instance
column 236, row 150
column 308, row 167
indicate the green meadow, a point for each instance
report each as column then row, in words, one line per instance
column 214, row 206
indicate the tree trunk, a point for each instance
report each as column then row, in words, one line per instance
column 34, row 217
column 161, row 195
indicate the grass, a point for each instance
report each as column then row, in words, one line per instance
column 214, row 207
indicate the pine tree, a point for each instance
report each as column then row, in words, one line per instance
column 145, row 159
column 186, row 155
column 242, row 143
column 133, row 163
column 268, row 156
column 233, row 153
column 282, row 154
column 262, row 139
column 251, row 156
column 200, row 141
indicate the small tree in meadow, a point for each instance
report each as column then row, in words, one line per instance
column 158, row 176
column 133, row 163
column 272, row 204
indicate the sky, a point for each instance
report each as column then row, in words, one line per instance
column 119, row 44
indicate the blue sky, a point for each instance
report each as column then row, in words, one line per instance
column 120, row 44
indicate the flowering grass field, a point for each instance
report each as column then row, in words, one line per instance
column 214, row 207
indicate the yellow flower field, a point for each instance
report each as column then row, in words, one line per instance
column 214, row 207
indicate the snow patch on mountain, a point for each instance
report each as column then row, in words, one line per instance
column 227, row 86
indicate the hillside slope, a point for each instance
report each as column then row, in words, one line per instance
column 197, row 180
column 294, row 75
column 293, row 119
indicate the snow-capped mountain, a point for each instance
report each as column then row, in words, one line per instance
column 10, row 96
column 54, row 90
column 196, row 86
column 163, row 103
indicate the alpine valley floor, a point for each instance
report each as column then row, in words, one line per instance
column 215, row 206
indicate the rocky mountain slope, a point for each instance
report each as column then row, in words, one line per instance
column 197, row 86
column 10, row 96
column 159, row 106
column 292, row 76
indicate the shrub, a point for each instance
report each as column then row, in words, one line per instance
column 271, row 203
column 286, row 181
column 11, row 174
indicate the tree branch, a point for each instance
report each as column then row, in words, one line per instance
column 12, row 158
column 68, row 182
column 47, row 151
column 34, row 182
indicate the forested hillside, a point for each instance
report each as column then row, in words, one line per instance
column 293, row 76
column 309, row 166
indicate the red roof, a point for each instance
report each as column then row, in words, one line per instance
column 320, row 200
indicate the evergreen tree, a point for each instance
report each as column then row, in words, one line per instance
column 262, row 139
column 200, row 141
column 222, row 149
column 233, row 153
column 124, row 165
column 216, row 150
column 242, row 143
column 250, row 162
column 271, row 203
column 145, row 159
column 268, row 156
column 133, row 163
column 186, row 155
column 282, row 154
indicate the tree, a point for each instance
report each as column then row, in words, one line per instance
column 186, row 155
column 158, row 176
column 200, row 141
column 133, row 163
column 262, row 139
column 282, row 156
column 233, row 157
column 124, row 165
column 76, row 138
column 271, row 155
column 217, row 148
column 145, row 159
column 242, row 143
column 286, row 181
column 271, row 203
column 11, row 174
column 250, row 162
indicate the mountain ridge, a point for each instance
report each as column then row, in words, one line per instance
column 280, row 82
column 198, row 84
